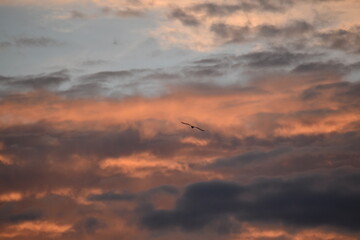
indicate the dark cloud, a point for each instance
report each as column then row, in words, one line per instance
column 230, row 33
column 199, row 72
column 163, row 189
column 9, row 214
column 78, row 15
column 85, row 90
column 289, row 155
column 345, row 93
column 101, row 143
column 274, row 58
column 184, row 17
column 112, row 197
column 213, row 9
column 24, row 217
column 89, row 225
column 326, row 67
column 93, row 62
column 342, row 39
column 108, row 74
column 5, row 44
column 37, row 42
column 32, row 42
column 298, row 34
column 208, row 61
column 47, row 81
column 249, row 158
column 42, row 152
column 234, row 34
column 305, row 201
column 30, row 147
column 293, row 29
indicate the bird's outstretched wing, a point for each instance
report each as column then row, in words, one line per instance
column 186, row 123
column 200, row 129
column 192, row 126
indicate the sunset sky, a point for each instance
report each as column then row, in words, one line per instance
column 93, row 92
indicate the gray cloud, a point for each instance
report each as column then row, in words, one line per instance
column 235, row 34
column 24, row 217
column 109, row 196
column 230, row 33
column 89, row 225
column 37, row 42
column 32, row 42
column 5, row 44
column 93, row 62
column 108, row 74
column 278, row 57
column 185, row 18
column 249, row 158
column 213, row 9
column 46, row 81
column 74, row 14
column 304, row 201
column 9, row 214
column 341, row 39
column 327, row 67
column 293, row 29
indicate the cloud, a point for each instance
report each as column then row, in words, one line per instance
column 213, row 9
column 94, row 62
column 31, row 42
column 89, row 225
column 103, row 155
column 184, row 17
column 341, row 39
column 46, row 81
column 112, row 197
column 293, row 29
column 74, row 14
column 11, row 215
column 230, row 33
column 24, row 217
column 305, row 201
column 304, row 29
column 37, row 42
column 5, row 45
column 72, row 138
column 274, row 58
column 330, row 66
column 108, row 74
column 125, row 12
column 249, row 158
column 236, row 34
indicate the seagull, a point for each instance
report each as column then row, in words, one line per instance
column 192, row 126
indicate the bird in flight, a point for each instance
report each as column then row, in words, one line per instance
column 192, row 126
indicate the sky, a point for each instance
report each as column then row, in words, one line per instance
column 93, row 93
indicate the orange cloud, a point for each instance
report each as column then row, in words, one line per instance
column 276, row 109
column 254, row 232
column 31, row 229
column 9, row 197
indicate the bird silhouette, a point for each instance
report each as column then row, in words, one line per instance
column 192, row 126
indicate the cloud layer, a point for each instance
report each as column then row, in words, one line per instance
column 102, row 154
